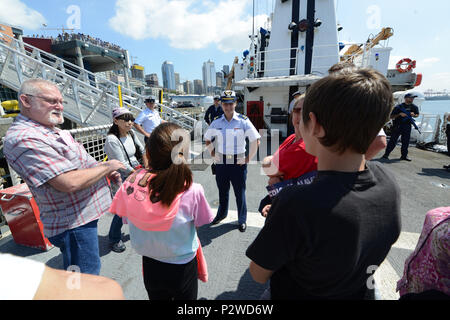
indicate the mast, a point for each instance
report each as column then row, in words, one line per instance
column 253, row 23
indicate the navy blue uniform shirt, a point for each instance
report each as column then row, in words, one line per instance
column 212, row 113
column 400, row 120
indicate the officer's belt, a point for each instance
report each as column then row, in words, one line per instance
column 230, row 158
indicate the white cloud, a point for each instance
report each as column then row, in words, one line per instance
column 16, row 13
column 184, row 25
column 436, row 81
column 428, row 62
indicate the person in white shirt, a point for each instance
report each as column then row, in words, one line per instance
column 230, row 132
column 26, row 279
column 148, row 119
column 121, row 144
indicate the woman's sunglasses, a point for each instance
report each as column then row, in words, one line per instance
column 126, row 117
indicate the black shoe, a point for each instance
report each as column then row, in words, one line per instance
column 447, row 167
column 216, row 221
column 242, row 227
column 385, row 156
column 118, row 247
column 405, row 159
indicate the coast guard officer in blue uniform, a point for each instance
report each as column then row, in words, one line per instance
column 402, row 126
column 213, row 111
column 230, row 132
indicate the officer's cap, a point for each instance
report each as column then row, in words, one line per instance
column 228, row 96
column 410, row 95
column 216, row 97
column 296, row 93
column 149, row 99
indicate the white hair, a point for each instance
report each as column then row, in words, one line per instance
column 33, row 87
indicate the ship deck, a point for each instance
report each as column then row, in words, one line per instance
column 424, row 184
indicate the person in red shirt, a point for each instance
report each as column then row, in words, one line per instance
column 291, row 159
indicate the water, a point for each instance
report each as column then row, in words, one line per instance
column 439, row 107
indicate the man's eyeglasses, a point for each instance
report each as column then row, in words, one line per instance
column 51, row 101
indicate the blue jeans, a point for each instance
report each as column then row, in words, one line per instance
column 115, row 230
column 79, row 247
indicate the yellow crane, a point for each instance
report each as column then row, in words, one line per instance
column 231, row 74
column 356, row 50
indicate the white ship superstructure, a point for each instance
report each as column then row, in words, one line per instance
column 298, row 48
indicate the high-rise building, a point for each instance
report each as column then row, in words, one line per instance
column 137, row 72
column 198, row 87
column 168, row 75
column 188, row 87
column 177, row 79
column 152, row 80
column 226, row 69
column 220, row 83
column 209, row 77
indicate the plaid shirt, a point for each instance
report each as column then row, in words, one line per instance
column 39, row 154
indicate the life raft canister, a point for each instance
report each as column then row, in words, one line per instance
column 405, row 62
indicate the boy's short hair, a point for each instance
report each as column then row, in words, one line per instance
column 351, row 107
column 343, row 66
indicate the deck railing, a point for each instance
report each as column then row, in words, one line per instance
column 262, row 62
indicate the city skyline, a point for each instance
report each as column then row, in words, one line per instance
column 213, row 80
column 152, row 37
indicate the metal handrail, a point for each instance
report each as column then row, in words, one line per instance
column 84, row 88
column 288, row 50
column 258, row 60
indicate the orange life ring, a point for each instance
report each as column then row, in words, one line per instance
column 405, row 62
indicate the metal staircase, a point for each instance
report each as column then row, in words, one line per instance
column 89, row 98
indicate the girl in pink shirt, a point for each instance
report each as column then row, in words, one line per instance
column 164, row 207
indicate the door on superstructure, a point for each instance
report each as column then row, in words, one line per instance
column 255, row 112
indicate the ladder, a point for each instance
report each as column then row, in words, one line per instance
column 89, row 98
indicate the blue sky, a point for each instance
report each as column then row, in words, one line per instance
column 189, row 32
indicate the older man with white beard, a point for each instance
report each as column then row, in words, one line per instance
column 69, row 185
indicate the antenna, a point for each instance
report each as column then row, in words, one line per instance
column 62, row 29
column 253, row 23
column 133, row 59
